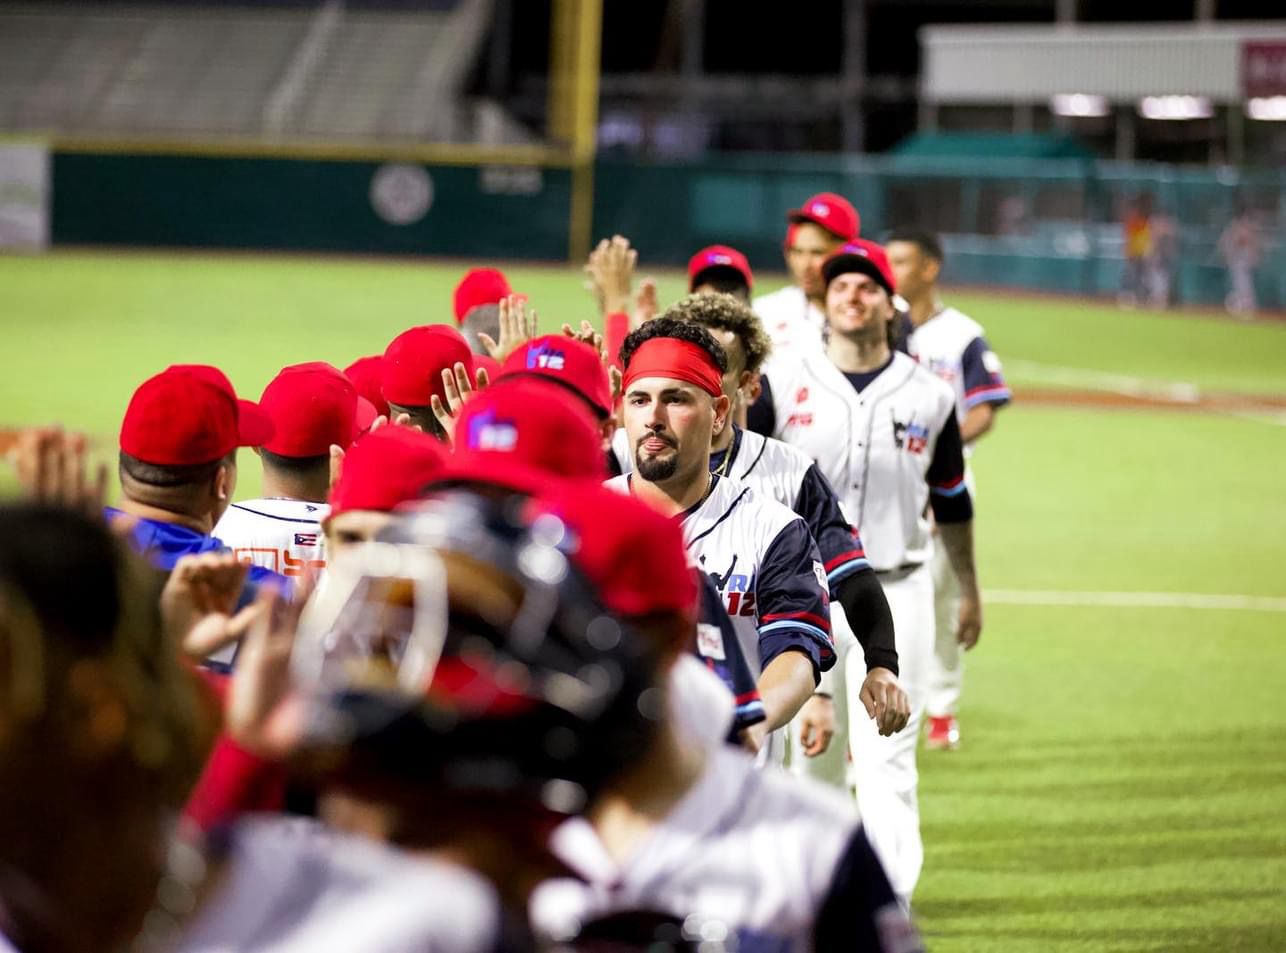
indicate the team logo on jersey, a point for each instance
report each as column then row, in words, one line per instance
column 489, row 432
column 546, row 357
column 991, row 362
column 305, row 539
column 801, row 395
column 820, row 572
column 943, row 369
column 710, row 642
column 737, row 589
column 911, row 437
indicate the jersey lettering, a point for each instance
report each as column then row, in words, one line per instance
column 297, row 567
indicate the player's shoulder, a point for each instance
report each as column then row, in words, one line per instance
column 283, row 510
column 773, row 300
column 755, row 512
column 949, row 329
column 778, row 798
column 923, row 379
column 760, row 456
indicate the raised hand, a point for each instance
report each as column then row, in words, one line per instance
column 517, row 327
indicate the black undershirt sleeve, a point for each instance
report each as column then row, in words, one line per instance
column 868, row 613
column 948, row 495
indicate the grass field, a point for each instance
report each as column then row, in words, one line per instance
column 1122, row 785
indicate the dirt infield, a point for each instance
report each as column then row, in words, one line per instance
column 1240, row 404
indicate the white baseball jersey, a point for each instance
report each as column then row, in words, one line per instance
column 291, row 885
column 282, row 535
column 952, row 345
column 790, row 319
column 779, row 863
column 880, row 448
column 766, row 567
column 780, row 472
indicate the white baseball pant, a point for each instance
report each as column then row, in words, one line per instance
column 884, row 769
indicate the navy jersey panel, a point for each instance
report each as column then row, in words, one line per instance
column 794, row 609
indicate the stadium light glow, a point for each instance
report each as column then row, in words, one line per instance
column 1267, row 108
column 1176, row 107
column 1083, row 105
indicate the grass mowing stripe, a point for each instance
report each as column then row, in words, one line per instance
column 1135, row 600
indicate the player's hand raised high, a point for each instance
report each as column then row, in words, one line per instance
column 517, row 327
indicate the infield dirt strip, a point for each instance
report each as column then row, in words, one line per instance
column 1216, row 403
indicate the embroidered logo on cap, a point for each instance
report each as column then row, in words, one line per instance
column 546, row 357
column 487, row 432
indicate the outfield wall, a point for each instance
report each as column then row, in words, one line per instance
column 1048, row 225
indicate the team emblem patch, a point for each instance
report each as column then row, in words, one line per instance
column 991, row 362
column 801, row 395
column 912, row 437
column 820, row 572
column 488, row 432
column 710, row 642
column 546, row 357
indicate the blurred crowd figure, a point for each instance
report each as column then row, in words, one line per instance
column 531, row 642
column 1240, row 248
column 1151, row 252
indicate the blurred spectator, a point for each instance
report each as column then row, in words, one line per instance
column 1240, row 246
column 1138, row 235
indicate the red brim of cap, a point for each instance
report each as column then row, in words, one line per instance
column 366, row 415
column 254, row 427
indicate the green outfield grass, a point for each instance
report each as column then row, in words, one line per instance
column 1122, row 784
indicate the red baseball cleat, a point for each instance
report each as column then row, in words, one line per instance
column 944, row 733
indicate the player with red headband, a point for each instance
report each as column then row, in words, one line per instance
column 758, row 554
column 794, row 314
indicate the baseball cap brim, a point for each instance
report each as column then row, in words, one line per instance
column 844, row 264
column 365, row 415
column 254, row 427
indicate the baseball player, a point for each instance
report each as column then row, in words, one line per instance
column 951, row 345
column 883, row 430
column 412, row 372
column 758, row 553
column 794, row 315
column 457, row 696
column 720, row 269
column 750, row 858
column 312, row 408
column 781, row 472
column 178, row 463
column 476, row 304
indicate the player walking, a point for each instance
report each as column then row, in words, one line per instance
column 883, row 430
column 952, row 346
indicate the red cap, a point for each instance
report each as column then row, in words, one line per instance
column 311, row 406
column 189, row 414
column 633, row 555
column 479, row 286
column 524, row 432
column 386, row 468
column 832, row 212
column 367, row 375
column 864, row 257
column 485, row 362
column 571, row 363
column 718, row 256
column 414, row 362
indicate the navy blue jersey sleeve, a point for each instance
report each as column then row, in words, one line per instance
column 860, row 913
column 761, row 416
column 948, row 494
column 840, row 546
column 791, row 600
column 983, row 381
column 717, row 647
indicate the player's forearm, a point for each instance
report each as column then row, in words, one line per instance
column 978, row 420
column 868, row 614
column 784, row 685
column 958, row 540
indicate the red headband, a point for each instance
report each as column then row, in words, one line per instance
column 680, row 360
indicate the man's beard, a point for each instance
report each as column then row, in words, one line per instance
column 656, row 469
